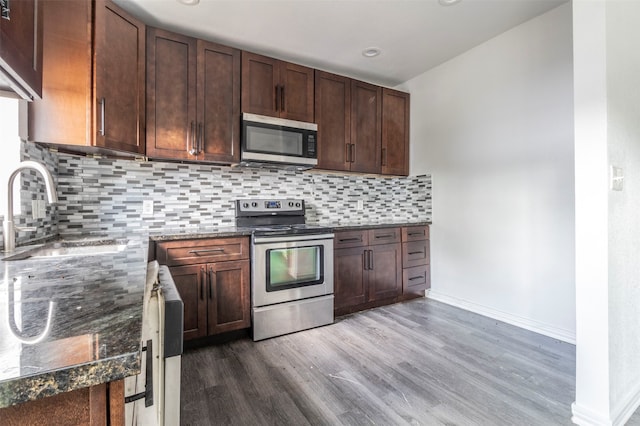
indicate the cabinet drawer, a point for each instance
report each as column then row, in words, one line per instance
column 173, row 253
column 384, row 236
column 415, row 233
column 415, row 253
column 346, row 239
column 416, row 279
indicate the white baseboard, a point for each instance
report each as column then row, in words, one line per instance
column 585, row 417
column 526, row 323
column 623, row 411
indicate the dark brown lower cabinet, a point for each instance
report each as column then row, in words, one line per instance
column 372, row 267
column 416, row 254
column 98, row 405
column 213, row 279
column 366, row 275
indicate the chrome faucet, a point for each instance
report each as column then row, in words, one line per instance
column 9, row 230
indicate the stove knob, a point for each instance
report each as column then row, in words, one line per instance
column 290, row 203
column 245, row 205
column 254, row 204
column 297, row 204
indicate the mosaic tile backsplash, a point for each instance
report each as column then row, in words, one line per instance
column 107, row 194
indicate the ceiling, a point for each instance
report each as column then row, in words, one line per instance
column 413, row 35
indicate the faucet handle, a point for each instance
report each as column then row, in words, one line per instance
column 26, row 228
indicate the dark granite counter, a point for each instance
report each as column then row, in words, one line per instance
column 71, row 321
column 233, row 231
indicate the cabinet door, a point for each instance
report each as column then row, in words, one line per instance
column 218, row 102
column 296, row 92
column 63, row 115
column 385, row 272
column 366, row 129
column 192, row 286
column 333, row 116
column 350, row 277
column 171, row 95
column 119, row 118
column 228, row 293
column 259, row 85
column 21, row 47
column 395, row 132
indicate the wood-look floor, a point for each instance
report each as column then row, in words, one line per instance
column 417, row 363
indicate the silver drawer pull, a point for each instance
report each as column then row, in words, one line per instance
column 215, row 250
column 346, row 240
column 415, row 252
column 419, row 277
column 411, row 234
column 386, row 236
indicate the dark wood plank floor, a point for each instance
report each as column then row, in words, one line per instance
column 417, row 363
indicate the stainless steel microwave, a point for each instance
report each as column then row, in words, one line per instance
column 278, row 142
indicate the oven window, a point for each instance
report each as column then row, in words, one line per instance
column 294, row 267
column 273, row 141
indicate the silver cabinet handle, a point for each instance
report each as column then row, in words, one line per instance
column 200, row 144
column 203, row 278
column 215, row 250
column 191, row 138
column 102, row 115
column 411, row 253
column 419, row 277
column 212, row 277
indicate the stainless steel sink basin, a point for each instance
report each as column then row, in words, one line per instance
column 72, row 248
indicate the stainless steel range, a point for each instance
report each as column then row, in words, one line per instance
column 291, row 267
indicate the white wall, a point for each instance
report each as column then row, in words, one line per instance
column 607, row 51
column 495, row 128
column 623, row 137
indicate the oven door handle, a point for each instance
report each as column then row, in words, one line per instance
column 292, row 238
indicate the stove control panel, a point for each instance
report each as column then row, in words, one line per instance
column 269, row 207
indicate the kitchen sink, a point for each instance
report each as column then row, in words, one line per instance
column 72, row 248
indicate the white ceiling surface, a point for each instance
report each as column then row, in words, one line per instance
column 414, row 35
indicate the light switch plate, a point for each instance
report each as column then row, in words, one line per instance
column 617, row 178
column 147, row 207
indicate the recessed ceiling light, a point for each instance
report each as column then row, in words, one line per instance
column 371, row 52
column 189, row 2
column 448, row 2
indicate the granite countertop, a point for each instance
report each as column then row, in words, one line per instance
column 190, row 233
column 70, row 322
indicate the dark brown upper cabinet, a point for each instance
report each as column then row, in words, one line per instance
column 361, row 127
column 395, row 132
column 193, row 99
column 366, row 127
column 276, row 88
column 93, row 88
column 21, row 48
column 333, row 116
column 348, row 113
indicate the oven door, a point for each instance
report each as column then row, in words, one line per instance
column 291, row 268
